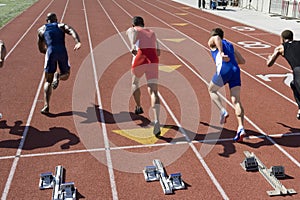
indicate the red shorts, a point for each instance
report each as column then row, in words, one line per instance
column 145, row 62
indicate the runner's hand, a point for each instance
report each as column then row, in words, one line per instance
column 134, row 52
column 225, row 57
column 77, row 46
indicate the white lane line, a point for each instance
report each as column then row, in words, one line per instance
column 251, row 137
column 224, row 98
column 30, row 27
column 221, row 25
column 104, row 131
column 242, row 70
column 198, row 155
column 19, row 150
column 246, row 118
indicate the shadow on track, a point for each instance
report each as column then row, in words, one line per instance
column 38, row 139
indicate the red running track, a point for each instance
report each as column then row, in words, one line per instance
column 104, row 147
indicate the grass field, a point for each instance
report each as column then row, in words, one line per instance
column 12, row 8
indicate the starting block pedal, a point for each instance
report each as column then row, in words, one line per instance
column 46, row 181
column 168, row 183
column 250, row 164
column 68, row 191
column 176, row 181
column 151, row 173
column 277, row 171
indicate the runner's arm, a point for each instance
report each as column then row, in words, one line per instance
column 272, row 58
column 41, row 41
column 239, row 58
column 216, row 42
column 70, row 31
column 131, row 33
column 157, row 48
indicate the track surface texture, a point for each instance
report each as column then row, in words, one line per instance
column 92, row 130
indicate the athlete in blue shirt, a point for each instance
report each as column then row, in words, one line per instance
column 227, row 59
column 51, row 41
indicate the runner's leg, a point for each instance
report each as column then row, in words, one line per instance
column 295, row 85
column 239, row 110
column 47, row 92
column 155, row 102
column 136, row 90
column 213, row 92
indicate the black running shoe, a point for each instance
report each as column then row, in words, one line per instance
column 138, row 110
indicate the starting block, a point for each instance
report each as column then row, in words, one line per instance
column 68, row 191
column 61, row 191
column 277, row 171
column 270, row 175
column 157, row 172
column 176, row 182
column 46, row 181
column 150, row 173
column 250, row 164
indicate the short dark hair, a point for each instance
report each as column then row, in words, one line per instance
column 51, row 17
column 138, row 21
column 217, row 31
column 287, row 35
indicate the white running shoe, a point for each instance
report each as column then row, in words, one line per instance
column 240, row 134
column 224, row 115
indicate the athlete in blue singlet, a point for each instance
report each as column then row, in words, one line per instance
column 51, row 41
column 227, row 59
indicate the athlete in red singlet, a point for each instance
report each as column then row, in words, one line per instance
column 144, row 48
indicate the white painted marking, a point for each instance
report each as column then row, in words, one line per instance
column 103, row 126
column 243, row 28
column 200, row 158
column 19, row 150
column 224, row 98
column 254, row 44
column 287, row 81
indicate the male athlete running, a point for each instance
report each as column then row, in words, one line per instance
column 227, row 59
column 145, row 50
column 289, row 49
column 51, row 41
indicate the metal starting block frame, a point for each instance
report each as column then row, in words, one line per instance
column 157, row 172
column 269, row 174
column 61, row 191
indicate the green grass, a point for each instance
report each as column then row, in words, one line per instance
column 13, row 8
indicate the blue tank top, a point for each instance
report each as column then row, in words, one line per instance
column 228, row 50
column 54, row 36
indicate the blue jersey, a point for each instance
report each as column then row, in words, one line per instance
column 228, row 50
column 54, row 38
column 56, row 50
column 227, row 72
